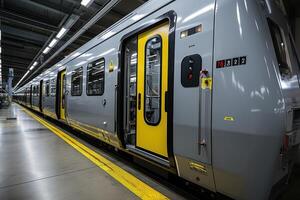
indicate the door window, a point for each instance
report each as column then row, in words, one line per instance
column 152, row 94
column 76, row 83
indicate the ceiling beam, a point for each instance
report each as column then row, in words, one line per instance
column 11, row 38
column 16, row 18
column 16, row 38
column 7, row 43
column 25, row 51
column 44, row 5
column 23, row 33
column 24, row 55
column 15, row 58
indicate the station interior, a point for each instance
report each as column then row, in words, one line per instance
column 49, row 154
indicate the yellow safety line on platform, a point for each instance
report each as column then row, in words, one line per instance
column 132, row 183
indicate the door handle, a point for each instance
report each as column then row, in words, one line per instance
column 139, row 101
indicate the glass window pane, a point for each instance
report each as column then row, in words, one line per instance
column 37, row 90
column 280, row 47
column 152, row 81
column 47, row 88
column 76, row 82
column 53, row 87
column 95, row 77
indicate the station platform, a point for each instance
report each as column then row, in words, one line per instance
column 41, row 161
column 37, row 162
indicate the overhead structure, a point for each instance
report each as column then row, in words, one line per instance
column 32, row 31
column 65, row 28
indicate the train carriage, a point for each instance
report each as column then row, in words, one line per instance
column 207, row 90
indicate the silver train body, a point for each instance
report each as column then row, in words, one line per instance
column 225, row 99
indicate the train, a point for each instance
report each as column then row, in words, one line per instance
column 207, row 90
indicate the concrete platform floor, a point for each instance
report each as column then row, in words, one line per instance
column 36, row 164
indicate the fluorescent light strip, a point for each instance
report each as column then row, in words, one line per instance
column 86, row 3
column 61, row 32
column 46, row 50
column 53, row 43
column 22, row 79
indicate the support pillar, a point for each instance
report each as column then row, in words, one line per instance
column 9, row 83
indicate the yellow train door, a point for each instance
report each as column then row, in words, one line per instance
column 152, row 84
column 62, row 94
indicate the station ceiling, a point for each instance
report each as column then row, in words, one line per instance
column 28, row 26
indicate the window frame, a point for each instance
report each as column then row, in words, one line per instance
column 160, row 82
column 81, row 81
column 282, row 65
column 87, row 77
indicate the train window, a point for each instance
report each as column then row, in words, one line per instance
column 53, row 87
column 34, row 91
column 76, row 82
column 95, row 78
column 37, row 90
column 47, row 88
column 280, row 47
column 152, row 94
column 294, row 51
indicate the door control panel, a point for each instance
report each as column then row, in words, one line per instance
column 190, row 70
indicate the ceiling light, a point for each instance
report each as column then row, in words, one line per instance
column 137, row 17
column 35, row 63
column 46, row 50
column 61, row 32
column 53, row 43
column 86, row 3
column 31, row 68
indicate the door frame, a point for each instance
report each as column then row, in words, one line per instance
column 58, row 94
column 30, row 96
column 119, row 120
column 41, row 95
